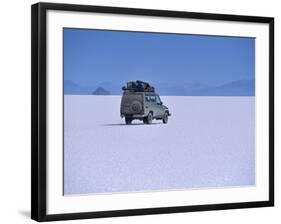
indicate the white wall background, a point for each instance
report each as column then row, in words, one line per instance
column 15, row 110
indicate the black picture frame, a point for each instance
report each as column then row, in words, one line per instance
column 39, row 122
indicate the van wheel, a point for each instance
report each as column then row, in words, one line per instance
column 148, row 119
column 128, row 120
column 165, row 118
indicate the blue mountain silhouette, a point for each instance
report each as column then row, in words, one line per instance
column 235, row 88
column 71, row 88
column 101, row 91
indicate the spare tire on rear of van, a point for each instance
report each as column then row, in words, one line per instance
column 136, row 106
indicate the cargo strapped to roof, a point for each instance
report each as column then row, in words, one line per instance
column 138, row 86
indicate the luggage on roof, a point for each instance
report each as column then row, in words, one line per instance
column 138, row 86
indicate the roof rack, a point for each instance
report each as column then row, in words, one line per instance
column 138, row 86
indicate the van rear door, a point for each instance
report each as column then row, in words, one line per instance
column 132, row 103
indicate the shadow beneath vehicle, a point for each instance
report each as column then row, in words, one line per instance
column 136, row 124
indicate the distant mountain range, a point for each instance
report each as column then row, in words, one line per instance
column 71, row 88
column 235, row 88
column 101, row 91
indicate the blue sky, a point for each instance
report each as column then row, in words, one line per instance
column 95, row 56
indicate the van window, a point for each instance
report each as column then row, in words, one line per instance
column 147, row 98
column 158, row 99
column 152, row 98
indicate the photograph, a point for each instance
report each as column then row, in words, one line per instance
column 156, row 111
column 145, row 111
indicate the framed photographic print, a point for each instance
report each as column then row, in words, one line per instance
column 139, row 111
